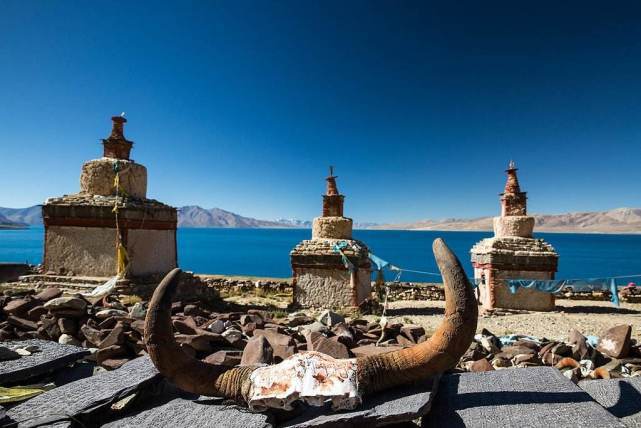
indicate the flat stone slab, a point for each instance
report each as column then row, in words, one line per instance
column 82, row 399
column 530, row 397
column 52, row 356
column 397, row 405
column 202, row 412
column 621, row 397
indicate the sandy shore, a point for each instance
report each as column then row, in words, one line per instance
column 589, row 317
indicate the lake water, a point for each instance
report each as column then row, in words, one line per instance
column 265, row 252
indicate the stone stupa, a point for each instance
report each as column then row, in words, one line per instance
column 110, row 227
column 513, row 253
column 321, row 278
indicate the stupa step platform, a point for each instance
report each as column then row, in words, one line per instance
column 68, row 284
column 84, row 280
column 65, row 288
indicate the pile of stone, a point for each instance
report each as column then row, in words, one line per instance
column 571, row 294
column 257, row 337
column 114, row 331
column 429, row 291
column 415, row 291
column 613, row 355
column 83, row 199
column 109, row 328
column 236, row 286
column 631, row 294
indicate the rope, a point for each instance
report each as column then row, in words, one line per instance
column 384, row 264
column 122, row 259
column 638, row 275
column 395, row 268
column 383, row 321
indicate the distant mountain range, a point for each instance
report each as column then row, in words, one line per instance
column 5, row 223
column 188, row 216
column 294, row 222
column 195, row 216
column 11, row 218
column 620, row 220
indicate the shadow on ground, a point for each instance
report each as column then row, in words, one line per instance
column 397, row 312
column 595, row 310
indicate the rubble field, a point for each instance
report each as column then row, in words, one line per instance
column 581, row 341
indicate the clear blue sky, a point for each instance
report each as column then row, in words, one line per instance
column 242, row 105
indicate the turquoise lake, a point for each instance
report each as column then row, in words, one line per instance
column 265, row 252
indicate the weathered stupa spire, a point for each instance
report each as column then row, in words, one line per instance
column 513, row 201
column 116, row 146
column 332, row 199
column 513, row 253
column 332, row 189
column 322, row 277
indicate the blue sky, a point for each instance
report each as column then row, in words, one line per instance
column 242, row 105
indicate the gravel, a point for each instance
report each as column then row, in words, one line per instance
column 589, row 317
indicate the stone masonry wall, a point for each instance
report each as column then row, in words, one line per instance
column 151, row 251
column 97, row 178
column 332, row 228
column 522, row 226
column 524, row 298
column 363, row 285
column 317, row 287
column 87, row 251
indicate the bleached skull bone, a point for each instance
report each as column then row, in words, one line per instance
column 311, row 377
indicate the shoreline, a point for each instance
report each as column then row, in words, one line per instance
column 376, row 229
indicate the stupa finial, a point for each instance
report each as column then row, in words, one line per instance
column 332, row 199
column 513, row 201
column 116, row 145
column 332, row 189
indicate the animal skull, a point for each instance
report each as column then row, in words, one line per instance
column 311, row 376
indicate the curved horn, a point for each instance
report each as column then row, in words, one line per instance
column 441, row 351
column 184, row 371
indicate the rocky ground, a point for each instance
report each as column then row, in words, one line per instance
column 254, row 327
column 234, row 320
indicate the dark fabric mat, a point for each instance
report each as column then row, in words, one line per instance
column 83, row 399
column 531, row 397
column 202, row 413
column 621, row 397
column 52, row 356
column 402, row 404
